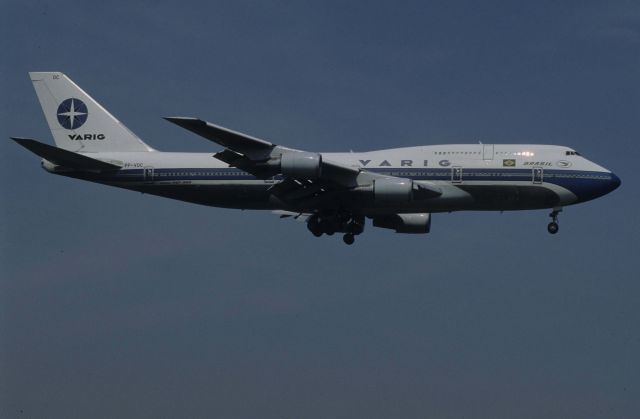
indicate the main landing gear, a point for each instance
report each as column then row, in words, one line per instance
column 340, row 222
column 553, row 226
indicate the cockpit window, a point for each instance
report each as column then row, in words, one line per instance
column 572, row 153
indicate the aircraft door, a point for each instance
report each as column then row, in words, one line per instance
column 537, row 175
column 148, row 174
column 456, row 174
column 487, row 151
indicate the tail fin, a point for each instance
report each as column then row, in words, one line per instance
column 77, row 122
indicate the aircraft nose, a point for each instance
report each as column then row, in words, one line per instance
column 614, row 182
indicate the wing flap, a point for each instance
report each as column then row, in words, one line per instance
column 340, row 173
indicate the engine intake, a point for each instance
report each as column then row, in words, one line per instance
column 405, row 223
column 301, row 165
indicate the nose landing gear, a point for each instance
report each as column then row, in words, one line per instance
column 553, row 226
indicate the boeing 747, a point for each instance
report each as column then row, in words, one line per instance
column 397, row 188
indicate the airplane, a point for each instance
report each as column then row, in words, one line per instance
column 397, row 188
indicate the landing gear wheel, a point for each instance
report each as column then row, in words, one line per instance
column 314, row 226
column 553, row 225
column 328, row 227
column 349, row 238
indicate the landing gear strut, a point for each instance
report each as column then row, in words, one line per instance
column 553, row 226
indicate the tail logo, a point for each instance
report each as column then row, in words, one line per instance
column 72, row 113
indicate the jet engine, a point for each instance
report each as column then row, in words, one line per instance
column 405, row 223
column 301, row 165
column 392, row 190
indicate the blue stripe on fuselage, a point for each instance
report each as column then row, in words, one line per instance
column 584, row 184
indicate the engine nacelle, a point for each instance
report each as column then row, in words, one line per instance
column 405, row 223
column 301, row 165
column 393, row 190
column 54, row 168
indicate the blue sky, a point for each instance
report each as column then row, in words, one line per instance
column 117, row 304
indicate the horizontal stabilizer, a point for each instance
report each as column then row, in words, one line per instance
column 64, row 158
column 240, row 143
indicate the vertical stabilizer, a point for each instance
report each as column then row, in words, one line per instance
column 77, row 122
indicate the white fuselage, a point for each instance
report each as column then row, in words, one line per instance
column 396, row 188
column 471, row 176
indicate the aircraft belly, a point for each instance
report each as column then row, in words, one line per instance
column 511, row 197
column 477, row 197
column 229, row 196
column 455, row 197
column 216, row 195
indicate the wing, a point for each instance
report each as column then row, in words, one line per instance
column 309, row 179
column 242, row 144
column 250, row 153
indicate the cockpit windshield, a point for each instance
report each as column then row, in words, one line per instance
column 572, row 153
